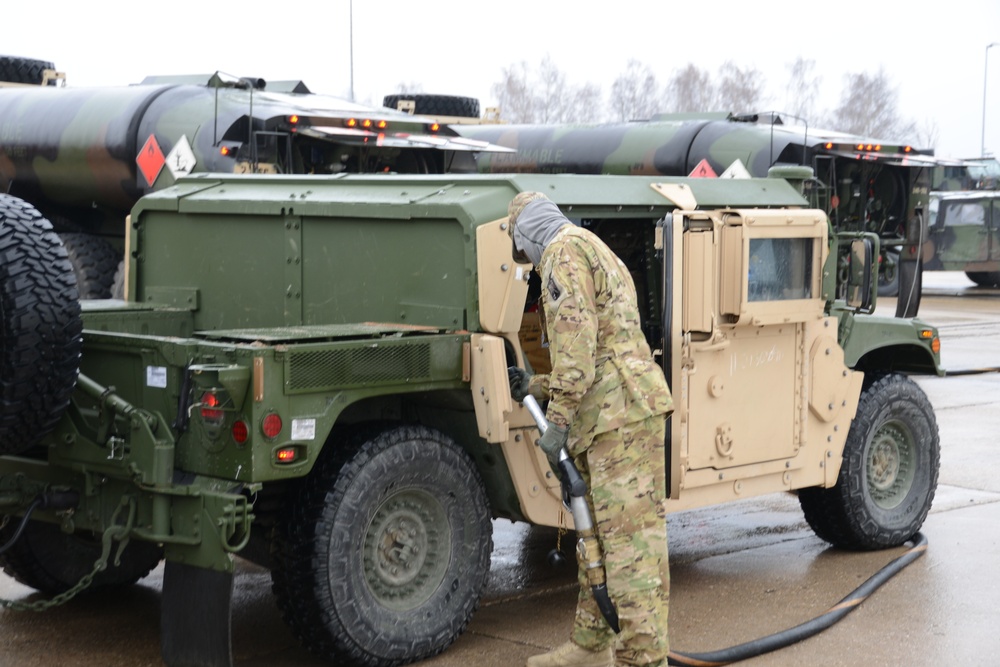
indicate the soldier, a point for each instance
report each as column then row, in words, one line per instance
column 607, row 405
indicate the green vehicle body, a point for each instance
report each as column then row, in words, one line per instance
column 349, row 302
column 964, row 233
column 862, row 183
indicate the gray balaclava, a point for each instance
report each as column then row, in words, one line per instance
column 535, row 225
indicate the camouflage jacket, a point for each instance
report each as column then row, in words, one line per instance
column 603, row 373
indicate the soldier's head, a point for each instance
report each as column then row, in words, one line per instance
column 533, row 222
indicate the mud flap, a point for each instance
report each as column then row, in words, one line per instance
column 195, row 629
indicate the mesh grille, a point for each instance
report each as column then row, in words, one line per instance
column 358, row 366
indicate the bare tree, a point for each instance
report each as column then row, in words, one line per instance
column 868, row 108
column 409, row 88
column 690, row 89
column 514, row 96
column 927, row 133
column 802, row 89
column 739, row 89
column 635, row 94
column 545, row 96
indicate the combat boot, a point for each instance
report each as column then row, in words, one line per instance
column 571, row 655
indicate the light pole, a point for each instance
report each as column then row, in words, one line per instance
column 986, row 64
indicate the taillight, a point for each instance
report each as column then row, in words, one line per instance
column 270, row 426
column 241, row 431
column 209, row 404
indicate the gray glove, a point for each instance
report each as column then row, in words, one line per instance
column 520, row 380
column 551, row 442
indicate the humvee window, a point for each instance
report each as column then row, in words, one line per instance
column 780, row 269
column 965, row 213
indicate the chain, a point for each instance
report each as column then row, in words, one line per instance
column 114, row 533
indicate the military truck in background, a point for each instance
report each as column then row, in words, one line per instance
column 84, row 156
column 310, row 372
column 863, row 184
column 964, row 223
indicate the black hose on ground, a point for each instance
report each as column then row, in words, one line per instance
column 794, row 635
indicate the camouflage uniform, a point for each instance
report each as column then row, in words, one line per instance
column 605, row 385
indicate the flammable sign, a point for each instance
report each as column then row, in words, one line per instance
column 703, row 170
column 150, row 160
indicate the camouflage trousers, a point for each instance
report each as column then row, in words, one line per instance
column 624, row 470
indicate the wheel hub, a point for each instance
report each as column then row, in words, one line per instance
column 405, row 549
column 890, row 466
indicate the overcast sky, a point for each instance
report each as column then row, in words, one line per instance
column 934, row 52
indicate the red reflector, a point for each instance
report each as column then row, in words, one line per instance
column 286, row 455
column 271, row 425
column 240, row 431
column 209, row 402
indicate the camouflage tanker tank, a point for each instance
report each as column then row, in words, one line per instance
column 84, row 156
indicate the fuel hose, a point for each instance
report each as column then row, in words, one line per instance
column 589, row 548
column 810, row 628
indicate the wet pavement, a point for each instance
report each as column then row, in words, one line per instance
column 738, row 571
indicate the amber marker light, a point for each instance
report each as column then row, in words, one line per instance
column 828, row 145
column 382, row 125
column 351, row 122
column 293, row 119
column 286, row 455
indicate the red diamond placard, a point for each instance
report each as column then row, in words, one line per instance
column 702, row 170
column 150, row 160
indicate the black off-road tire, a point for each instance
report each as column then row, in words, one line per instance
column 384, row 551
column 889, row 471
column 50, row 561
column 437, row 105
column 984, row 278
column 40, row 327
column 888, row 278
column 94, row 262
column 23, row 70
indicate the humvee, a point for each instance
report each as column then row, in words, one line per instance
column 310, row 373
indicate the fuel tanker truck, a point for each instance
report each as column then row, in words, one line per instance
column 84, row 156
column 863, row 184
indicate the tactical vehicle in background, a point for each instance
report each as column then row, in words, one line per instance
column 863, row 184
column 964, row 233
column 84, row 156
column 310, row 372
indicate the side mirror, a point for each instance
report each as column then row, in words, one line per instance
column 859, row 274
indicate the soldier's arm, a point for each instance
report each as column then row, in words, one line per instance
column 571, row 317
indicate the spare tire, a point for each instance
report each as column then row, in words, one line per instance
column 40, row 327
column 94, row 262
column 23, row 70
column 437, row 105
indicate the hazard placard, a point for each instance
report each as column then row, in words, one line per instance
column 150, row 160
column 181, row 160
column 703, row 170
column 736, row 170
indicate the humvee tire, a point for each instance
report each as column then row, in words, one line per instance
column 437, row 105
column 94, row 262
column 40, row 327
column 385, row 549
column 50, row 561
column 889, row 470
column 888, row 277
column 118, row 283
column 984, row 278
column 23, row 70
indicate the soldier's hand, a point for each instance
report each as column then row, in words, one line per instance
column 520, row 381
column 551, row 442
